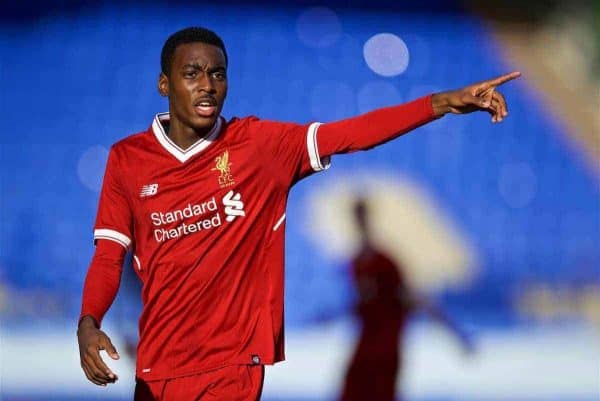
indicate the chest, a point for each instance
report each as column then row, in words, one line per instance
column 219, row 174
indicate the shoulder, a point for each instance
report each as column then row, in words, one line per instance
column 132, row 140
column 126, row 151
column 254, row 123
column 242, row 129
column 132, row 143
column 241, row 123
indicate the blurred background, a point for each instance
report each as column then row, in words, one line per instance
column 498, row 225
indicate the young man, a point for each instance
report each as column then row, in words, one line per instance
column 201, row 203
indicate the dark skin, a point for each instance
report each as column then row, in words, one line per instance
column 197, row 87
column 91, row 341
column 198, row 73
column 481, row 96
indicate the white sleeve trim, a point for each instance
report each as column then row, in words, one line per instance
column 105, row 233
column 316, row 162
column 276, row 226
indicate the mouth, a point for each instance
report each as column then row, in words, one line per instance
column 206, row 107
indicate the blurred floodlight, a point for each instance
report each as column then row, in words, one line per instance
column 517, row 184
column 90, row 168
column 319, row 27
column 386, row 54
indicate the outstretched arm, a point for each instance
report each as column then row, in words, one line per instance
column 436, row 313
column 382, row 125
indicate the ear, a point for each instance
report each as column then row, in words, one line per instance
column 163, row 85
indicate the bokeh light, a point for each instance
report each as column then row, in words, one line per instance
column 375, row 94
column 386, row 54
column 90, row 168
column 517, row 184
column 319, row 27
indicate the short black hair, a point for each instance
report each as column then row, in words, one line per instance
column 187, row 35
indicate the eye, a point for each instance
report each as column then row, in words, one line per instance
column 219, row 75
column 190, row 74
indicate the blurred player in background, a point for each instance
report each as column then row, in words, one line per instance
column 385, row 302
column 201, row 202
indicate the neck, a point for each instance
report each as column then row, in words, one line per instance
column 184, row 136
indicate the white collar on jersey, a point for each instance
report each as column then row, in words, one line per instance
column 172, row 148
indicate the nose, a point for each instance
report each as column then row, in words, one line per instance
column 206, row 83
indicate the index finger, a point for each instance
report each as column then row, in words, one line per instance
column 503, row 78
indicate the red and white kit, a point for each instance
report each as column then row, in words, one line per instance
column 206, row 226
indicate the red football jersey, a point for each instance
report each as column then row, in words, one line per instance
column 206, row 226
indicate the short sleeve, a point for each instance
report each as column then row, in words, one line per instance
column 290, row 148
column 114, row 218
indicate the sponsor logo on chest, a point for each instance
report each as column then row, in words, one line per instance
column 193, row 217
column 196, row 217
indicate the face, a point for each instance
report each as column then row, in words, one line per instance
column 196, row 86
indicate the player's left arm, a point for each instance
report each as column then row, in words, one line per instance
column 382, row 125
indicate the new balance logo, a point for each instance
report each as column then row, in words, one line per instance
column 149, row 190
column 234, row 207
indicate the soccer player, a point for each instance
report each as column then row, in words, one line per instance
column 200, row 201
column 385, row 302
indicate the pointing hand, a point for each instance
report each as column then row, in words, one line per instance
column 479, row 96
